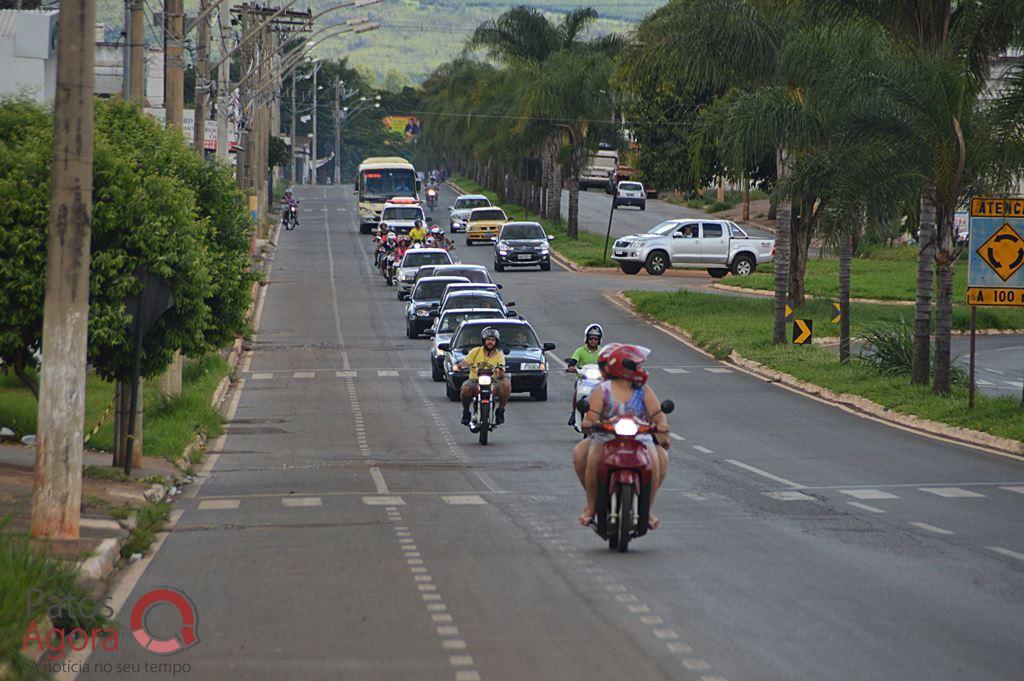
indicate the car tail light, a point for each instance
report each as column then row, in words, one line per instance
column 773, row 251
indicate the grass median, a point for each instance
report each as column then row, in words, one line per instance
column 587, row 250
column 721, row 324
column 886, row 274
column 168, row 425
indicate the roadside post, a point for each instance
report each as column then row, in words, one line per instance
column 608, row 234
column 995, row 265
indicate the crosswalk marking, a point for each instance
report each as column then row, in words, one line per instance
column 868, row 494
column 789, row 496
column 1019, row 489
column 262, row 376
column 384, row 372
column 675, row 370
column 384, row 501
column 951, row 492
column 463, row 500
column 304, row 374
column 345, row 374
column 865, row 507
column 219, row 504
column 718, row 370
column 425, row 374
column 301, row 501
column 703, row 450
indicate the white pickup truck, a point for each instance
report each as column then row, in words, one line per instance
column 719, row 246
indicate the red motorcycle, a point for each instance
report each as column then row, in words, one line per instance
column 624, row 475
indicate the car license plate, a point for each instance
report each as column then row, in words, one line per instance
column 525, row 257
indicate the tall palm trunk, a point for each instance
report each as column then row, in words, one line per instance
column 845, row 262
column 783, row 228
column 945, row 257
column 745, row 215
column 921, row 366
column 553, row 198
column 800, row 244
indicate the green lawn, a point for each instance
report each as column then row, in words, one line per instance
column 168, row 425
column 886, row 274
column 587, row 250
column 721, row 324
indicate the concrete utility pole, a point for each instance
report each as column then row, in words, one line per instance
column 174, row 62
column 57, row 498
column 202, row 80
column 316, row 69
column 223, row 83
column 135, row 70
column 294, row 169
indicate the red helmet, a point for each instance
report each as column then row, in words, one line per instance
column 619, row 360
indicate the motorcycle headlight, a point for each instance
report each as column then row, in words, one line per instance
column 626, row 427
column 533, row 366
column 484, row 380
column 592, row 373
column 422, row 313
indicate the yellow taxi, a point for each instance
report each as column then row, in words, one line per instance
column 484, row 223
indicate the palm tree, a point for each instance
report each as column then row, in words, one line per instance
column 940, row 51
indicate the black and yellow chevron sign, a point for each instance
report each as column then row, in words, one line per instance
column 789, row 310
column 802, row 332
column 837, row 314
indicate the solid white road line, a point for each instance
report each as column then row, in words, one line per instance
column 463, row 500
column 868, row 494
column 677, row 437
column 951, row 492
column 718, row 370
column 765, row 474
column 703, row 450
column 1006, row 552
column 487, row 481
column 930, row 528
column 378, row 480
column 865, row 507
column 1016, row 488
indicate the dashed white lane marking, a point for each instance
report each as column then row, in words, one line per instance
column 304, row 374
column 865, row 507
column 930, row 528
column 677, row 437
column 951, row 492
column 385, row 372
column 696, row 665
column 378, row 480
column 463, row 499
column 703, row 450
column 718, row 370
column 764, row 474
column 1016, row 488
column 218, row 504
column 301, row 501
column 868, row 494
column 665, row 634
column 425, row 374
column 384, row 501
column 680, row 647
column 994, row 371
column 1006, row 552
column 986, row 384
column 1014, row 384
column 789, row 496
column 675, row 370
column 262, row 376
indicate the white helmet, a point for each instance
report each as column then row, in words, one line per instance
column 594, row 330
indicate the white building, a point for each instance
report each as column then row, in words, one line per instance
column 28, row 54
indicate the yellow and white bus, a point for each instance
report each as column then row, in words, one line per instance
column 380, row 179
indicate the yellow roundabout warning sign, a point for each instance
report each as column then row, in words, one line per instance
column 1003, row 252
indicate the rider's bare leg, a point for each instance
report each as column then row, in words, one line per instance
column 579, row 459
column 504, row 389
column 590, row 480
column 659, row 465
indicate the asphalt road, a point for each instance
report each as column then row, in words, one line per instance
column 595, row 206
column 999, row 362
column 352, row 529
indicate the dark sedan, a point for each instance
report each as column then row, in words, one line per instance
column 522, row 244
column 525, row 362
column 425, row 296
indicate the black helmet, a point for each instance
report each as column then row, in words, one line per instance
column 594, row 330
column 490, row 332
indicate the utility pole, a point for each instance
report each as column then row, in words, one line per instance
column 316, row 69
column 57, row 498
column 134, row 75
column 174, row 62
column 202, row 79
column 223, row 82
column 294, row 170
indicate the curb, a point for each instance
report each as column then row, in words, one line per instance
column 854, row 404
column 100, row 565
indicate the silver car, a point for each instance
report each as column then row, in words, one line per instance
column 461, row 209
column 413, row 259
column 442, row 331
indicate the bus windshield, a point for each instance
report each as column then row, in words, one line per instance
column 378, row 185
